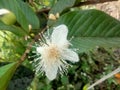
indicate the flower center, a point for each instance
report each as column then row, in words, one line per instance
column 52, row 52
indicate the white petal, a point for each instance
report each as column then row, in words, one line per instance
column 39, row 49
column 51, row 71
column 3, row 11
column 59, row 35
column 70, row 55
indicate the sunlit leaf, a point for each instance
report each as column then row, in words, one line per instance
column 88, row 43
column 86, row 87
column 6, row 72
column 61, row 5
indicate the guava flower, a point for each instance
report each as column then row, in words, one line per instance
column 54, row 53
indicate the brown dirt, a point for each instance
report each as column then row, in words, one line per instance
column 112, row 8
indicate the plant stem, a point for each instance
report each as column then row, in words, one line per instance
column 104, row 78
column 23, row 57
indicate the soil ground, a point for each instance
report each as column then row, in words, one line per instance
column 112, row 8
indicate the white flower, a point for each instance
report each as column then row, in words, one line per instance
column 54, row 53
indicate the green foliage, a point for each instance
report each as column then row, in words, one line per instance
column 12, row 46
column 89, row 32
column 91, row 28
column 6, row 73
column 85, row 87
column 8, row 18
column 21, row 14
column 30, row 15
column 14, row 29
column 65, row 5
column 14, row 7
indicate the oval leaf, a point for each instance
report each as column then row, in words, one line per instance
column 29, row 14
column 91, row 28
column 13, row 6
column 6, row 72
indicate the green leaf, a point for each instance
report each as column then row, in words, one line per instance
column 86, row 87
column 14, row 7
column 62, row 5
column 88, row 43
column 59, row 7
column 16, row 30
column 91, row 28
column 64, row 80
column 6, row 72
column 29, row 14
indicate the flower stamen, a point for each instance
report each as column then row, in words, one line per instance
column 53, row 51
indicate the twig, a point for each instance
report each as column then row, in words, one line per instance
column 43, row 10
column 104, row 78
column 23, row 57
